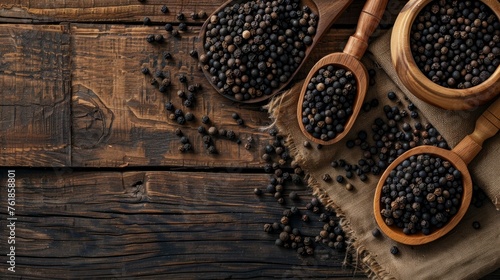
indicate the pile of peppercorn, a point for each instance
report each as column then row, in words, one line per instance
column 421, row 194
column 456, row 44
column 328, row 102
column 254, row 47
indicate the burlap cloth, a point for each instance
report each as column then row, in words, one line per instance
column 464, row 253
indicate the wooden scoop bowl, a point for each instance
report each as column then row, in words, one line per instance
column 418, row 83
column 327, row 10
column 487, row 126
column 349, row 59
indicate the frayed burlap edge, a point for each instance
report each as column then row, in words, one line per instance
column 363, row 259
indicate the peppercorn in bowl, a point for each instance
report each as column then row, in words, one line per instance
column 447, row 52
column 423, row 195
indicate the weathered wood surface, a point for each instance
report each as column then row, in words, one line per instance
column 132, row 11
column 106, row 67
column 181, row 225
column 35, row 93
column 117, row 116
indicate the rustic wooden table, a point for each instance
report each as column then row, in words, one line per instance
column 101, row 188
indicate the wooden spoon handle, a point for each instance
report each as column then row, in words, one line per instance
column 328, row 12
column 487, row 126
column 367, row 23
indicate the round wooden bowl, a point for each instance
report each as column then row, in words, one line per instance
column 395, row 232
column 422, row 87
column 338, row 60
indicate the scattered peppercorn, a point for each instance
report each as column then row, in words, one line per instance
column 394, row 250
column 476, row 225
column 150, row 38
column 169, row 27
column 376, row 232
column 164, row 9
column 146, row 21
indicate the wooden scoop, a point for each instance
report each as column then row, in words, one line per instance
column 349, row 60
column 327, row 10
column 487, row 126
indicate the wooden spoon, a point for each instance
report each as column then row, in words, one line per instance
column 487, row 126
column 327, row 10
column 349, row 60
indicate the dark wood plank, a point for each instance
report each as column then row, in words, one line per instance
column 187, row 225
column 119, row 118
column 34, row 95
column 132, row 11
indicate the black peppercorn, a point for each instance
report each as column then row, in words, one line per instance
column 394, row 250
column 159, row 38
column 164, row 9
column 182, row 26
column 146, row 21
column 340, row 179
column 182, row 78
column 150, row 38
column 391, row 95
column 169, row 27
column 180, row 16
column 376, row 232
column 476, row 225
column 169, row 106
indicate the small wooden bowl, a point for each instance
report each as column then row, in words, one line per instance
column 396, row 233
column 422, row 87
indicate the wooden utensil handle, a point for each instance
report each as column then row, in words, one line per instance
column 328, row 12
column 487, row 126
column 367, row 23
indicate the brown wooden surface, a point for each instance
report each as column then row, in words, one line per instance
column 181, row 225
column 109, row 195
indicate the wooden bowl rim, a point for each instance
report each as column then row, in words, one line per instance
column 314, row 8
column 355, row 66
column 402, row 26
column 396, row 233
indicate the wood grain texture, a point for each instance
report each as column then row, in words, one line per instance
column 119, row 118
column 34, row 95
column 185, row 225
column 132, row 11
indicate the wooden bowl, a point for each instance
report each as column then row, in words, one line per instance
column 422, row 87
column 396, row 233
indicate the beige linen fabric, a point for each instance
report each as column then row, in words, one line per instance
column 464, row 253
column 453, row 125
